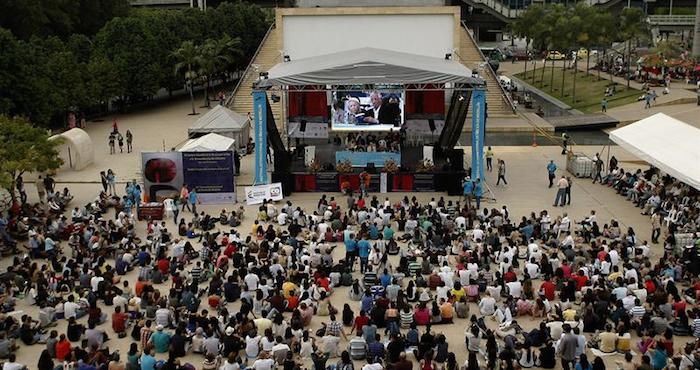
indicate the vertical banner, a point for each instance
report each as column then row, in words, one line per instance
column 260, row 125
column 212, row 174
column 383, row 179
column 428, row 153
column 309, row 154
column 478, row 123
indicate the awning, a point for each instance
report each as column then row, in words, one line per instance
column 369, row 66
column 219, row 119
column 666, row 143
column 209, row 143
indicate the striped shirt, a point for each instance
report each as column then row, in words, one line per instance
column 357, row 348
column 414, row 267
column 196, row 273
column 637, row 311
column 406, row 319
column 145, row 336
column 334, row 328
column 696, row 328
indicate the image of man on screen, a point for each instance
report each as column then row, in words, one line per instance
column 379, row 113
column 353, row 114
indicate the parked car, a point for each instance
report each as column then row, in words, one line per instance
column 555, row 55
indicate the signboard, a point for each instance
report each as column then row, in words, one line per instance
column 257, row 193
column 260, row 124
column 309, row 155
column 478, row 121
column 312, row 130
column 212, row 174
column 361, row 159
column 162, row 175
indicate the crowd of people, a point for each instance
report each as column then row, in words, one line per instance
column 371, row 142
column 216, row 295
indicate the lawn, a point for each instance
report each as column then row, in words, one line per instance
column 589, row 90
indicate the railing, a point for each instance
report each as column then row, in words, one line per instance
column 230, row 99
column 671, row 20
column 499, row 7
column 490, row 70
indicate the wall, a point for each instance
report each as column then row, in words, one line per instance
column 367, row 3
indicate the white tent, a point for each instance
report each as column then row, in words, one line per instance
column 666, row 143
column 209, row 143
column 368, row 66
column 76, row 149
column 225, row 122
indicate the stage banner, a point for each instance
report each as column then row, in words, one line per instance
column 257, row 193
column 162, row 175
column 383, row 178
column 478, row 121
column 309, row 155
column 361, row 159
column 312, row 130
column 428, row 153
column 260, row 125
column 212, row 174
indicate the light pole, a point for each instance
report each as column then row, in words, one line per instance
column 696, row 37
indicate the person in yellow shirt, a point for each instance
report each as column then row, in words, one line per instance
column 624, row 341
column 607, row 340
column 458, row 292
column 569, row 314
column 287, row 288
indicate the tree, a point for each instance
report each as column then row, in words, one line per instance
column 188, row 57
column 528, row 26
column 632, row 24
column 215, row 56
column 25, row 149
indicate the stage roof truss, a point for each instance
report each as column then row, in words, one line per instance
column 407, row 87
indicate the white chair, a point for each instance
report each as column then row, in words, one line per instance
column 671, row 216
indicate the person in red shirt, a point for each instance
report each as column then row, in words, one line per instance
column 63, row 347
column 581, row 280
column 230, row 250
column 510, row 276
column 292, row 301
column 548, row 288
column 140, row 285
column 650, row 286
column 164, row 266
column 361, row 203
column 566, row 269
column 360, row 321
column 120, row 321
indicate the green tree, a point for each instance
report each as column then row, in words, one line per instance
column 215, row 56
column 10, row 54
column 528, row 26
column 632, row 25
column 188, row 58
column 25, row 149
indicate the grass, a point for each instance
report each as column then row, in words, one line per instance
column 589, row 90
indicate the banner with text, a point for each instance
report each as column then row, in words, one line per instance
column 258, row 193
column 212, row 174
column 478, row 120
column 260, row 125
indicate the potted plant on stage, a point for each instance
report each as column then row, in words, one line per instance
column 315, row 167
column 425, row 166
column 391, row 168
column 344, row 167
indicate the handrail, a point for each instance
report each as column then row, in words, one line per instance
column 500, row 8
column 665, row 19
column 229, row 100
column 490, row 70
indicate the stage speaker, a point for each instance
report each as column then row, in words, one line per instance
column 371, row 168
column 456, row 157
column 287, row 181
column 302, row 126
column 431, row 124
column 454, row 183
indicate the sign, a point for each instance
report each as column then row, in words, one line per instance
column 360, row 159
column 162, row 175
column 260, row 125
column 257, row 193
column 312, row 130
column 478, row 121
column 428, row 153
column 309, row 155
column 383, row 177
column 212, row 174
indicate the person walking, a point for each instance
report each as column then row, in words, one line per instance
column 501, row 172
column 103, row 179
column 185, row 196
column 120, row 139
column 129, row 140
column 551, row 170
column 655, row 227
column 560, row 200
column 597, row 169
column 41, row 189
column 489, row 159
column 193, row 199
column 647, row 101
column 567, row 348
column 112, row 137
column 111, row 182
column 20, row 189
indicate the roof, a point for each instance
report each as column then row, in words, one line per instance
column 665, row 143
column 220, row 119
column 368, row 66
column 208, row 143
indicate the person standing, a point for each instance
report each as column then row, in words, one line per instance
column 489, row 159
column 112, row 137
column 120, row 139
column 237, row 162
column 551, row 170
column 41, row 189
column 111, row 182
column 478, row 192
column 655, row 227
column 20, row 189
column 104, row 180
column 49, row 184
column 185, row 196
column 564, row 142
column 194, row 199
column 364, row 183
column 467, row 190
column 598, row 169
column 129, row 140
column 569, row 182
column 604, row 105
column 560, row 200
column 501, row 172
column 567, row 348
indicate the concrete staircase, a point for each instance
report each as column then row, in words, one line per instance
column 470, row 55
column 267, row 55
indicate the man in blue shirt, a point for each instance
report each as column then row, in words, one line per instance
column 350, row 251
column 194, row 199
column 363, row 248
column 468, row 190
column 551, row 170
column 147, row 361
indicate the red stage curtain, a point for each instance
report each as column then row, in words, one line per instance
column 309, row 103
column 304, row 182
column 354, row 181
column 425, row 102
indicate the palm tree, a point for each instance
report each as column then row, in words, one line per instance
column 632, row 25
column 216, row 56
column 188, row 57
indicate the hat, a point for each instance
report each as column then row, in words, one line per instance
column 159, row 327
column 229, row 331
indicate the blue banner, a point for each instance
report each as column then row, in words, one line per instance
column 478, row 126
column 212, row 174
column 360, row 159
column 260, row 126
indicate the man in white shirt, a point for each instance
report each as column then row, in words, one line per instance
column 515, row 288
column 533, row 269
column 282, row 218
column 251, row 280
column 72, row 309
column 95, row 282
column 487, row 305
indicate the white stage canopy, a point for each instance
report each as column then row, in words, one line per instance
column 209, row 143
column 222, row 121
column 666, row 143
column 369, row 66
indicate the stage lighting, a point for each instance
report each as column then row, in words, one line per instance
column 264, row 75
column 287, row 58
column 448, row 56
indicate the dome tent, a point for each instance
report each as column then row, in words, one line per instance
column 76, row 149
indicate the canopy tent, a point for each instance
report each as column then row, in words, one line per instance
column 369, row 66
column 225, row 122
column 666, row 143
column 76, row 149
column 209, row 143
